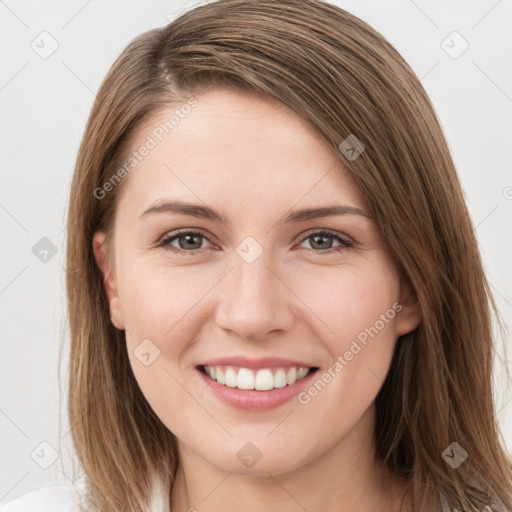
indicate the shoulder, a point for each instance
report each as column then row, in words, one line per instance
column 57, row 498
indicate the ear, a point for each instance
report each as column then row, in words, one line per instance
column 409, row 316
column 109, row 280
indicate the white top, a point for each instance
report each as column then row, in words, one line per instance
column 58, row 498
column 71, row 498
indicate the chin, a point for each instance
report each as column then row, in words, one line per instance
column 259, row 458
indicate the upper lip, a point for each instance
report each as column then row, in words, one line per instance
column 264, row 362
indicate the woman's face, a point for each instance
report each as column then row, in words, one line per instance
column 257, row 294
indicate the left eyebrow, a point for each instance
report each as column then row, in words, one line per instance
column 326, row 211
column 205, row 212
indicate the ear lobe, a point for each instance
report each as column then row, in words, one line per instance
column 409, row 316
column 109, row 280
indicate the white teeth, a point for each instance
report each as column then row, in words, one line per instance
column 302, row 373
column 264, row 380
column 291, row 376
column 220, row 376
column 231, row 378
column 261, row 380
column 280, row 379
column 245, row 379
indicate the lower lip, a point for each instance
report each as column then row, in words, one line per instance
column 250, row 399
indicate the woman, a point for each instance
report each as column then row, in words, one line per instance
column 276, row 299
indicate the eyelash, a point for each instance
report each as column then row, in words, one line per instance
column 170, row 237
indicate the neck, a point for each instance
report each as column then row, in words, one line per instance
column 348, row 477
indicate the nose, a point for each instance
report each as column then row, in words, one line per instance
column 254, row 300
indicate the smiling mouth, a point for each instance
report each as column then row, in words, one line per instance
column 263, row 379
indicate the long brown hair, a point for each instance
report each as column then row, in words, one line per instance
column 345, row 79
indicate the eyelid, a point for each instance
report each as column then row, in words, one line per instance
column 184, row 231
column 331, row 232
column 164, row 241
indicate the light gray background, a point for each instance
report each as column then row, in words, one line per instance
column 44, row 107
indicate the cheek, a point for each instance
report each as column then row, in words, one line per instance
column 357, row 310
column 164, row 309
column 161, row 322
column 348, row 300
column 160, row 302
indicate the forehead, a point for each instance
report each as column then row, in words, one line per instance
column 239, row 150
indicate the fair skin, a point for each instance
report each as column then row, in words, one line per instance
column 255, row 162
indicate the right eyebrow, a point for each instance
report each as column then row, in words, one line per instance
column 184, row 208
